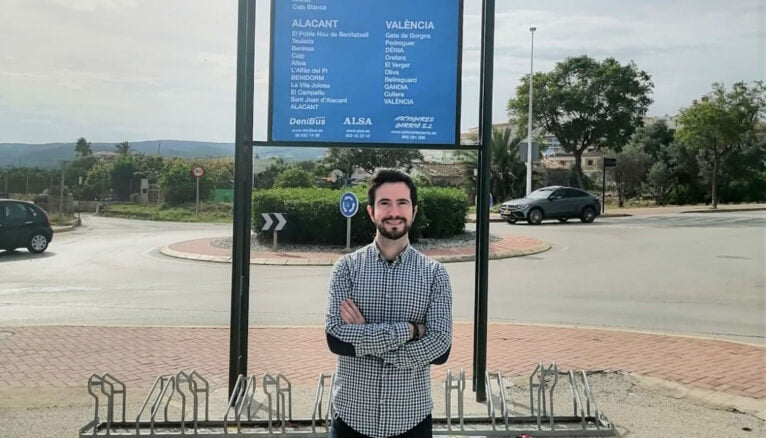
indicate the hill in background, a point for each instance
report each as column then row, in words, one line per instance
column 50, row 155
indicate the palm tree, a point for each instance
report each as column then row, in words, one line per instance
column 82, row 148
column 506, row 170
column 122, row 148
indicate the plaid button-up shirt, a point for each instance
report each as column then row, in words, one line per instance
column 385, row 389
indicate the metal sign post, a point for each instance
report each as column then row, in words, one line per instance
column 197, row 172
column 482, row 209
column 270, row 224
column 243, row 174
column 397, row 95
column 349, row 205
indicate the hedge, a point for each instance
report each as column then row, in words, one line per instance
column 313, row 215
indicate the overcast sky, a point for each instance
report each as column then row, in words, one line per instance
column 114, row 70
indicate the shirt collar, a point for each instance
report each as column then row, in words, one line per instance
column 400, row 258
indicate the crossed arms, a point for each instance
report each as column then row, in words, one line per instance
column 349, row 334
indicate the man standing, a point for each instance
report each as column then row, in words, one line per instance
column 389, row 316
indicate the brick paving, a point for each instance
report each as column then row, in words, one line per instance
column 66, row 356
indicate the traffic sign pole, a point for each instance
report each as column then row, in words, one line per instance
column 274, row 244
column 197, row 172
column 349, row 204
column 348, row 234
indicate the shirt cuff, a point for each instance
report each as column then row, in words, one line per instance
column 402, row 331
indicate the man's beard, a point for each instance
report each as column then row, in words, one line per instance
column 400, row 232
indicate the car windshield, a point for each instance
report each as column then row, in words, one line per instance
column 540, row 194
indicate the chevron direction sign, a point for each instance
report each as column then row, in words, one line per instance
column 273, row 221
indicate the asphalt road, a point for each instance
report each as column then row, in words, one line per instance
column 695, row 274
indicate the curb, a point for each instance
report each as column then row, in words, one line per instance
column 724, row 210
column 705, row 397
column 472, row 220
column 64, row 228
column 324, row 261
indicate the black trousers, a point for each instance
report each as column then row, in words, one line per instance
column 340, row 429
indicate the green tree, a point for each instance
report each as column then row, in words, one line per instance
column 123, row 176
column 721, row 123
column 585, row 104
column 149, row 167
column 79, row 169
column 654, row 139
column 122, row 148
column 266, row 179
column 98, row 182
column 179, row 186
column 661, row 181
column 507, row 172
column 743, row 173
column 220, row 171
column 82, row 148
column 688, row 188
column 632, row 166
column 349, row 159
column 294, row 177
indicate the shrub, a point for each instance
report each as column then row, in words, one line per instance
column 444, row 210
column 313, row 215
column 179, row 186
column 294, row 177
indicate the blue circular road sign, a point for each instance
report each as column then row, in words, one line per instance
column 349, row 204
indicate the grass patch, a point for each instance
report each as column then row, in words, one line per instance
column 494, row 209
column 630, row 203
column 208, row 212
column 59, row 219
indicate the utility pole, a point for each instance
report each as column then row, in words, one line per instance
column 529, row 122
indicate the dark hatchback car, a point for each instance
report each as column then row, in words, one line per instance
column 24, row 225
column 555, row 202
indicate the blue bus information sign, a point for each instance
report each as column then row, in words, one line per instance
column 365, row 71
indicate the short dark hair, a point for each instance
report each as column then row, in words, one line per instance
column 384, row 176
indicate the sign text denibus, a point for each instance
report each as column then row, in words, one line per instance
column 365, row 71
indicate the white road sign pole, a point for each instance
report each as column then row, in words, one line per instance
column 348, row 234
column 349, row 204
column 274, row 244
column 197, row 172
column 268, row 222
column 196, row 209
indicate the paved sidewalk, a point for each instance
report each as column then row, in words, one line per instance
column 203, row 250
column 728, row 374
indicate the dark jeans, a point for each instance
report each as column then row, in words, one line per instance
column 340, row 429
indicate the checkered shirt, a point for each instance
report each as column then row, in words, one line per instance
column 385, row 389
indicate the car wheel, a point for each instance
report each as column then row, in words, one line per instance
column 535, row 216
column 37, row 243
column 588, row 214
column 511, row 221
column 563, row 219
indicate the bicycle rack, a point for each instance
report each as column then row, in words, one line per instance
column 244, row 416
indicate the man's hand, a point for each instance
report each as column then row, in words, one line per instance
column 417, row 329
column 350, row 314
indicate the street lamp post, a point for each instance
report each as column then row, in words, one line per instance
column 529, row 122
